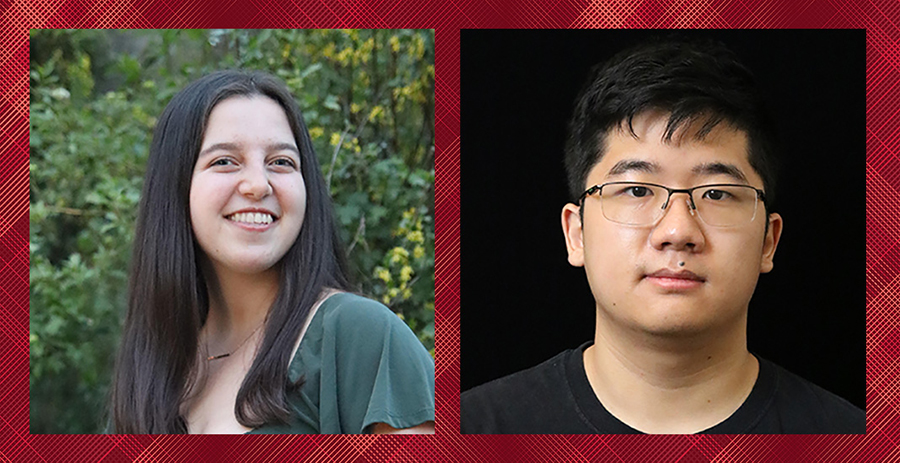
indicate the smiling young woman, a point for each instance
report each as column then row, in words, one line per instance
column 239, row 319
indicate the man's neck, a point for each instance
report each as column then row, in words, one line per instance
column 667, row 384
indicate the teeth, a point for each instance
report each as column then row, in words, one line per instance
column 252, row 217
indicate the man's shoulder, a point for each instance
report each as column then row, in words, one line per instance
column 521, row 403
column 529, row 381
column 801, row 407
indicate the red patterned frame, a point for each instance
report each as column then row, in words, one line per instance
column 881, row 19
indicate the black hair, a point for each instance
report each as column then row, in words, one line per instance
column 691, row 82
column 168, row 299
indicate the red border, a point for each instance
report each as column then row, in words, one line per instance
column 880, row 18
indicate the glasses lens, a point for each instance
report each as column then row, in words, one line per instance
column 726, row 205
column 632, row 203
column 642, row 204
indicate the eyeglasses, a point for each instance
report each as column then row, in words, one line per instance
column 639, row 203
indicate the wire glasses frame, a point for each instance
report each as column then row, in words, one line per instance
column 632, row 208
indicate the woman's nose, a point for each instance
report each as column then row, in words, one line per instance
column 255, row 183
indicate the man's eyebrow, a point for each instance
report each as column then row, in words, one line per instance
column 628, row 165
column 720, row 168
column 237, row 147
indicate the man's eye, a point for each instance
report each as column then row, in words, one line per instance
column 638, row 191
column 716, row 195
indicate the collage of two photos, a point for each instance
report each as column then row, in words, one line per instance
column 233, row 231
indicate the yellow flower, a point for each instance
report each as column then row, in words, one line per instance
column 407, row 293
column 419, row 252
column 383, row 274
column 365, row 50
column 328, row 51
column 399, row 254
column 416, row 237
column 406, row 273
column 335, row 138
column 395, row 43
column 316, row 132
column 419, row 52
column 376, row 111
column 344, row 56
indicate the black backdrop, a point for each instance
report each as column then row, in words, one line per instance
column 521, row 303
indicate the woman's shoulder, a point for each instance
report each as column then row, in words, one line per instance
column 346, row 321
column 364, row 365
column 351, row 311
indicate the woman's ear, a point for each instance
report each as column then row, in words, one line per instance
column 571, row 225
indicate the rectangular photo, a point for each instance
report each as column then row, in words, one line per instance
column 663, row 232
column 232, row 231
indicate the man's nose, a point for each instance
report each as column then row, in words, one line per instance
column 679, row 227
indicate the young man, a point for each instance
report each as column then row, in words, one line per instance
column 669, row 163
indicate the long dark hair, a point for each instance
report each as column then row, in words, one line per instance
column 168, row 300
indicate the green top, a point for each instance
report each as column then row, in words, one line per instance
column 361, row 365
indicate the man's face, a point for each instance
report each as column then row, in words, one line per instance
column 634, row 271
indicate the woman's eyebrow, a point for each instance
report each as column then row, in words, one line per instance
column 225, row 146
column 283, row 147
column 219, row 146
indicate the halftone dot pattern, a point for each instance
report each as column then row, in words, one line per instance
column 880, row 17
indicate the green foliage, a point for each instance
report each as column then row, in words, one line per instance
column 368, row 99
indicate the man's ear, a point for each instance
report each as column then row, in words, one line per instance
column 771, row 243
column 571, row 224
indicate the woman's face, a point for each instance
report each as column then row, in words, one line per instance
column 248, row 197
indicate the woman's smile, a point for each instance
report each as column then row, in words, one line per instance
column 253, row 219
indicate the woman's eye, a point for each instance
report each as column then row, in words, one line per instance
column 222, row 162
column 284, row 162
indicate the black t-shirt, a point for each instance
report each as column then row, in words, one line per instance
column 555, row 397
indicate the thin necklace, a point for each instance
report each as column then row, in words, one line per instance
column 221, row 356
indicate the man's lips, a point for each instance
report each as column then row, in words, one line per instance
column 675, row 280
column 676, row 274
